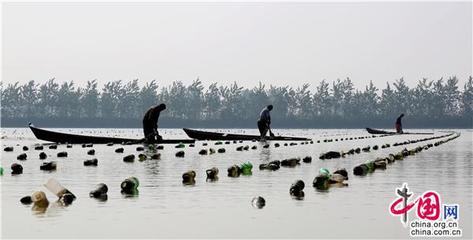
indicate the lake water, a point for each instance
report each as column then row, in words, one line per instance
column 165, row 208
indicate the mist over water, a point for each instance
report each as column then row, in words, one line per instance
column 165, row 208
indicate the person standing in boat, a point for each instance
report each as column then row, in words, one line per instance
column 399, row 124
column 264, row 122
column 150, row 123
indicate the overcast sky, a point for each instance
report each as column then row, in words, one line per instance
column 275, row 43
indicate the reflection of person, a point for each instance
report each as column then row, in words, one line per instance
column 399, row 124
column 150, row 123
column 264, row 121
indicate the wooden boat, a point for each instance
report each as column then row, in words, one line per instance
column 204, row 135
column 59, row 137
column 376, row 131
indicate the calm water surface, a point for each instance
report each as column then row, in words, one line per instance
column 165, row 208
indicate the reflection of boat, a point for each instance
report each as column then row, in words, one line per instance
column 58, row 137
column 376, row 131
column 203, row 135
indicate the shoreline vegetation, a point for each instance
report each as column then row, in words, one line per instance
column 337, row 104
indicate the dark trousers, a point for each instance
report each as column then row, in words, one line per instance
column 149, row 134
column 263, row 128
column 398, row 128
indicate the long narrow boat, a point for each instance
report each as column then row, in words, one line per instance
column 204, row 135
column 376, row 131
column 59, row 137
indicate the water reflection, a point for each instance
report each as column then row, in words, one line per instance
column 163, row 200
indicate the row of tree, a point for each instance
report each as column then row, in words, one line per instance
column 331, row 100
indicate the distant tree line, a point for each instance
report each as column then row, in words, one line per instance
column 331, row 103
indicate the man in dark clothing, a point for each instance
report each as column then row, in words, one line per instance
column 150, row 123
column 399, row 124
column 264, row 122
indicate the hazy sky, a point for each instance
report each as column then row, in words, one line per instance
column 276, row 43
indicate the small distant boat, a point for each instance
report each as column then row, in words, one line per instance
column 204, row 135
column 377, row 131
column 59, row 137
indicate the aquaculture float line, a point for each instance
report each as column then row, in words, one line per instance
column 382, row 163
column 335, row 154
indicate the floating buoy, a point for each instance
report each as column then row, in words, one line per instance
column 130, row 186
column 258, row 202
column 203, row 152
column 276, row 145
column 119, row 150
column 269, row 166
column 221, row 150
column 129, row 158
column 139, row 149
column 91, row 152
column 26, row 200
column 307, row 159
column 8, row 149
column 25, row 148
column 291, row 162
column 254, row 147
column 240, row 148
column 380, row 163
column 48, row 166
column 91, row 162
column 160, row 147
column 40, row 201
column 180, row 145
column 330, row 155
column 53, row 147
column 69, row 146
column 16, row 168
column 180, row 154
column 361, row 170
column 21, row 156
column 62, row 154
column 212, row 174
column 266, row 146
column 142, row 157
column 321, row 182
column 211, row 151
column 246, row 168
column 109, row 144
column 296, row 189
column 342, row 172
column 38, row 148
column 234, row 171
column 100, row 191
column 156, row 156
column 188, row 178
column 246, row 147
column 42, row 155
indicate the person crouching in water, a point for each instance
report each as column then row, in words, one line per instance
column 264, row 122
column 399, row 124
column 150, row 123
